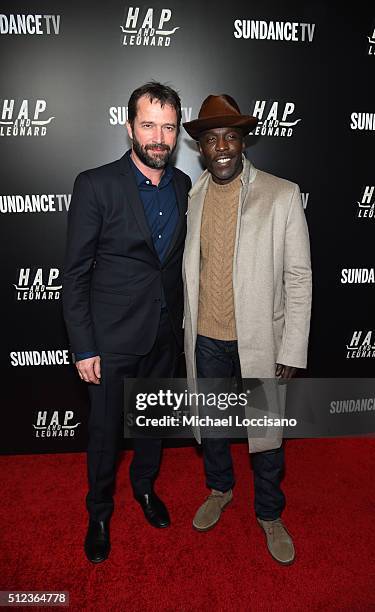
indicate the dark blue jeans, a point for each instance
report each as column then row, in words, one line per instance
column 219, row 359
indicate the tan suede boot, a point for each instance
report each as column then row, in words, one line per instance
column 209, row 513
column 279, row 542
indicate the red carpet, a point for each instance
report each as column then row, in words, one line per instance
column 330, row 492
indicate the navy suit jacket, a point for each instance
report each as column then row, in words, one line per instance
column 113, row 279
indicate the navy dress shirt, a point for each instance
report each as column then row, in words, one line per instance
column 160, row 206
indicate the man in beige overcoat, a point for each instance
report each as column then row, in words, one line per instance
column 247, row 281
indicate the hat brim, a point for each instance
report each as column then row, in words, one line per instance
column 245, row 122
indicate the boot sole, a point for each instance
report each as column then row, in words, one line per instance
column 202, row 529
column 282, row 562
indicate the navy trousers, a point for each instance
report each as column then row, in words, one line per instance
column 219, row 359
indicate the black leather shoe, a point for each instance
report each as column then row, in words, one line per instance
column 154, row 510
column 97, row 543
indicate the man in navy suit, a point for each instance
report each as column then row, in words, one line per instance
column 123, row 295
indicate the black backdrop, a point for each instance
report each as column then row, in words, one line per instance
column 67, row 73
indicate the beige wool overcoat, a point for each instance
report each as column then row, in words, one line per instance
column 271, row 280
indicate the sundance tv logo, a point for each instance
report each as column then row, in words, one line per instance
column 35, row 203
column 23, row 119
column 39, row 358
column 346, row 406
column 54, row 424
column 305, row 199
column 37, row 284
column 30, row 24
column 275, row 118
column 361, row 345
column 362, row 121
column 118, row 115
column 366, row 205
column 357, row 276
column 371, row 41
column 274, row 30
column 148, row 28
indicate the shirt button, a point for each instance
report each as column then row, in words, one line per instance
column 159, row 235
column 160, row 213
column 147, row 182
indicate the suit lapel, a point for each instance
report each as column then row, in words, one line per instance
column 135, row 202
column 181, row 198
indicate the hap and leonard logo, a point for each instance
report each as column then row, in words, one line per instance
column 38, row 284
column 24, row 118
column 275, row 118
column 55, row 424
column 148, row 27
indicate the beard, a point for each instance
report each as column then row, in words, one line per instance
column 156, row 161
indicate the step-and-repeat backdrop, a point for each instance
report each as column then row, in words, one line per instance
column 305, row 69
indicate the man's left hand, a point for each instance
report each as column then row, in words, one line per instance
column 284, row 371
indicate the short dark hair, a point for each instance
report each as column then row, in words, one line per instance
column 154, row 91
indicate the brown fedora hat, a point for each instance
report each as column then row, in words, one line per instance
column 219, row 111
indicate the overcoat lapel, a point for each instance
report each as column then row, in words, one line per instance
column 192, row 254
